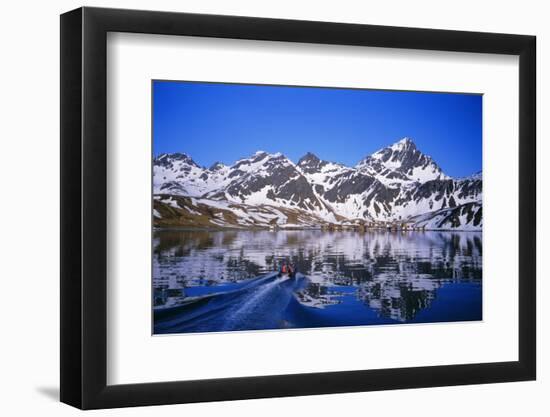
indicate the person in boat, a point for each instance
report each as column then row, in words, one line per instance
column 283, row 270
column 292, row 270
column 287, row 269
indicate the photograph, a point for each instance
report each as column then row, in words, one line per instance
column 264, row 209
column 284, row 207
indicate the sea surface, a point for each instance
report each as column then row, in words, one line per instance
column 211, row 281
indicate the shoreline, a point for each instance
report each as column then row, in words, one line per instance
column 283, row 229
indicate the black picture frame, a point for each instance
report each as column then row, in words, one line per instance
column 84, row 207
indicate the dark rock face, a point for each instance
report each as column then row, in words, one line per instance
column 441, row 189
column 470, row 187
column 383, row 195
column 287, row 184
column 310, row 163
column 393, row 175
column 472, row 211
column 354, row 184
column 236, row 173
column 299, row 191
column 216, row 166
column 171, row 185
column 435, row 188
column 248, row 183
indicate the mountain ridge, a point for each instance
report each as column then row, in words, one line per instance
column 397, row 183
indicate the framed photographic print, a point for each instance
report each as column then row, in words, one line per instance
column 258, row 207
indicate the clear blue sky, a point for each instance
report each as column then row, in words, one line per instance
column 225, row 122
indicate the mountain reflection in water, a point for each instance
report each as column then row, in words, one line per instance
column 203, row 280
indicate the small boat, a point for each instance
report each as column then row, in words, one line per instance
column 290, row 274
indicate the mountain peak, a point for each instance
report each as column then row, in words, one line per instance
column 310, row 163
column 398, row 150
column 179, row 155
column 168, row 158
column 216, row 166
column 405, row 142
column 258, row 155
column 402, row 159
column 261, row 158
column 309, row 157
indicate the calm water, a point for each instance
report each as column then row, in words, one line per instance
column 208, row 281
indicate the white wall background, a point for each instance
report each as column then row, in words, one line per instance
column 29, row 219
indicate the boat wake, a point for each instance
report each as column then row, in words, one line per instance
column 259, row 303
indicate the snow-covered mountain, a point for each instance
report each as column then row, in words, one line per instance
column 395, row 184
column 401, row 161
